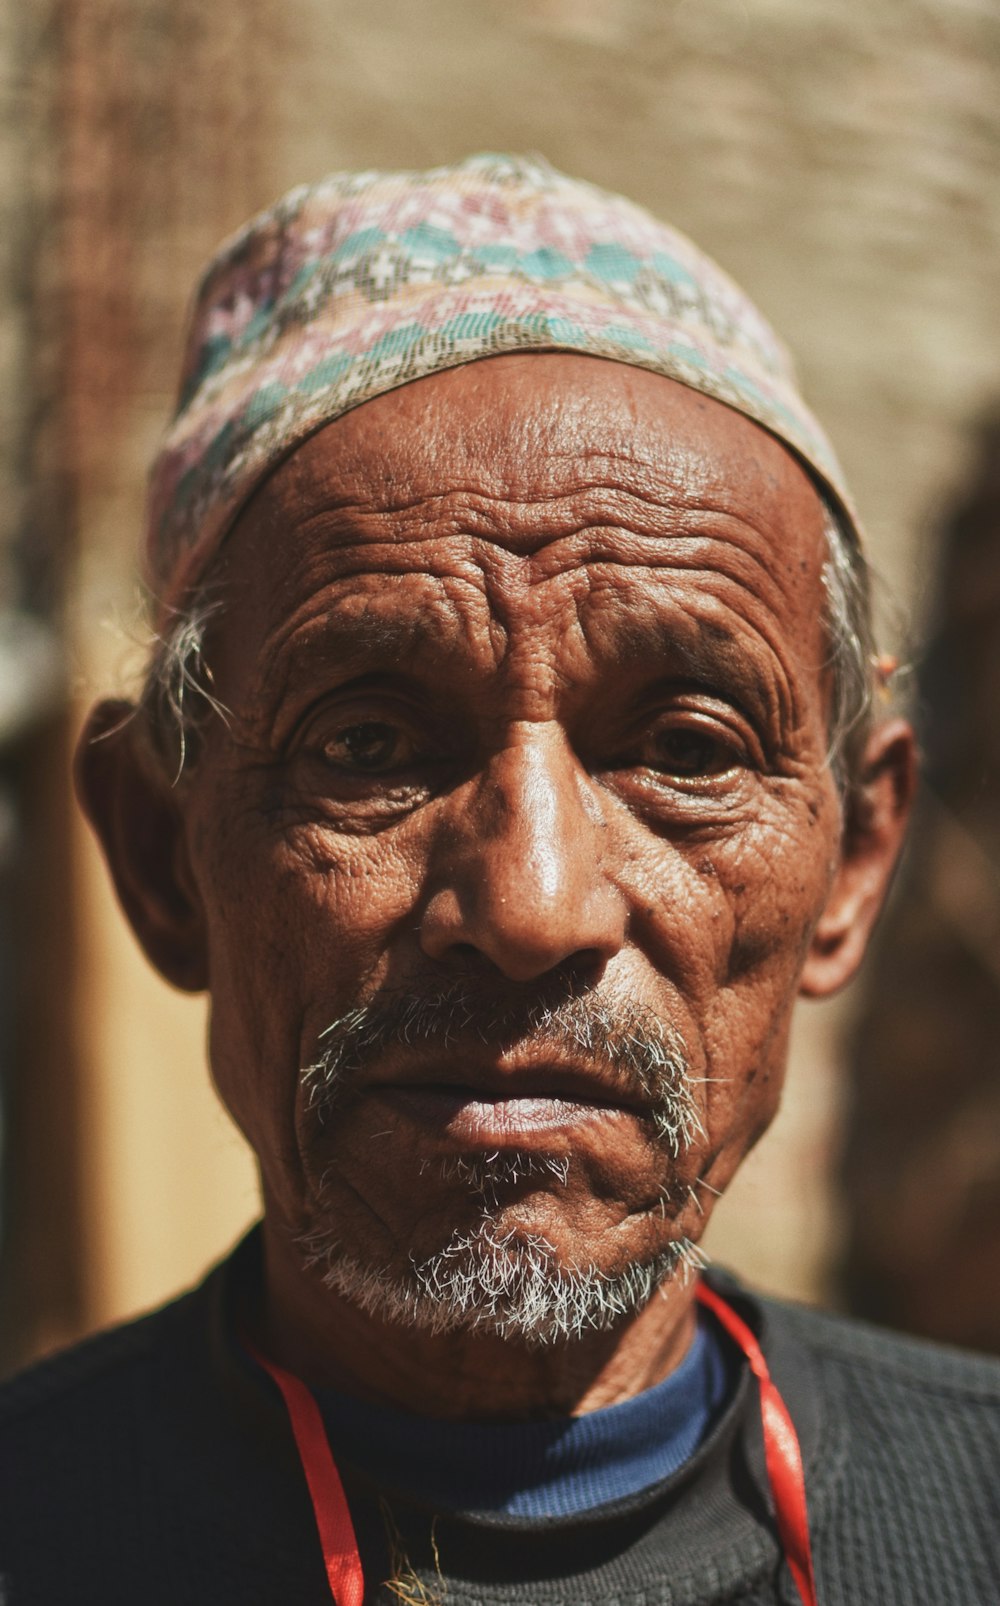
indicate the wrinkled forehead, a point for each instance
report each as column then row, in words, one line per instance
column 523, row 450
column 525, row 453
column 511, row 489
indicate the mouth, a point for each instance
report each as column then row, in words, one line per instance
column 477, row 1118
column 490, row 1105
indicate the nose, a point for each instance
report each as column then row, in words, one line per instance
column 519, row 879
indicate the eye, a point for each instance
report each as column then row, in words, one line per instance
column 371, row 747
column 691, row 751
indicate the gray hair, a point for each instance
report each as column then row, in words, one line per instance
column 177, row 696
column 853, row 656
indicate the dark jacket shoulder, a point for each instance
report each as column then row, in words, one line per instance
column 894, row 1359
column 59, row 1381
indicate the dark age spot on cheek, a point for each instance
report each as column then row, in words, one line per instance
column 752, row 946
column 756, row 943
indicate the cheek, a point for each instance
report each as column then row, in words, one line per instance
column 747, row 1049
column 734, row 911
column 300, row 923
column 728, row 925
column 777, row 886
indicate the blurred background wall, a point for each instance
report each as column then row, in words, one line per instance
column 841, row 160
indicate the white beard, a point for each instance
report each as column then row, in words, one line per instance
column 503, row 1281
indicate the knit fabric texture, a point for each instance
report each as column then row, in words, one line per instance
column 151, row 1466
column 366, row 281
column 540, row 1468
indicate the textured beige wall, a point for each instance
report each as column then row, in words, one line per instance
column 839, row 158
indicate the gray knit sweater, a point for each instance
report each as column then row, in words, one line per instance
column 153, row 1466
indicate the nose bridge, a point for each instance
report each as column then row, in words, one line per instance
column 537, row 833
column 526, row 886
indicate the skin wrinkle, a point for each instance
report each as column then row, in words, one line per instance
column 276, row 671
column 605, row 485
column 551, row 847
column 516, row 531
column 565, row 553
column 293, row 624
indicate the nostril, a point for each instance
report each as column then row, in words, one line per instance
column 587, row 965
column 511, row 986
column 582, row 971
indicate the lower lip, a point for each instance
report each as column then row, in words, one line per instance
column 473, row 1119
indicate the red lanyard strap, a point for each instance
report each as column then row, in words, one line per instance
column 781, row 1451
column 333, row 1517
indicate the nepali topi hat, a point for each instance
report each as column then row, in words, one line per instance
column 364, row 282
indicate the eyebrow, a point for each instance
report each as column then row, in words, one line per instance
column 717, row 663
column 354, row 643
column 703, row 651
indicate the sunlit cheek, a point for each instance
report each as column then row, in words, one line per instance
column 344, row 898
column 748, row 1024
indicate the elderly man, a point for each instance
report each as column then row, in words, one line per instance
column 506, row 767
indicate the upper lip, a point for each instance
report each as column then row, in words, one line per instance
column 513, row 1076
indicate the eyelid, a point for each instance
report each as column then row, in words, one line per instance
column 431, row 739
column 713, row 717
column 396, row 731
column 354, row 705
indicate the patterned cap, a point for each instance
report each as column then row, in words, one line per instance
column 366, row 281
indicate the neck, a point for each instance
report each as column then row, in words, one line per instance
column 329, row 1342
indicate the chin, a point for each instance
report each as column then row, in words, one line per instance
column 499, row 1275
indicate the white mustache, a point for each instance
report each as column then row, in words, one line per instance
column 646, row 1056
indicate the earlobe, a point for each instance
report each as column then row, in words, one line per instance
column 872, row 839
column 138, row 820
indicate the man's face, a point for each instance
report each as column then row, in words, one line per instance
column 525, row 761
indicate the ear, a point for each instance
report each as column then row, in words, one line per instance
column 138, row 818
column 874, row 827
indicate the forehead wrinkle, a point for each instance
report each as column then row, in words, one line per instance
column 760, row 565
column 548, row 478
column 742, row 569
column 505, row 577
column 702, row 631
column 484, row 572
column 523, row 524
column 673, row 501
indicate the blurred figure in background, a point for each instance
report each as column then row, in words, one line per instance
column 924, row 1209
